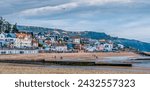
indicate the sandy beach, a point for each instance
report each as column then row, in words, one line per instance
column 36, row 69
column 66, row 56
column 11, row 68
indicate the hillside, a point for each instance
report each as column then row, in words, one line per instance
column 36, row 29
column 142, row 46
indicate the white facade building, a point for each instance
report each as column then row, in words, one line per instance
column 61, row 48
column 120, row 46
column 23, row 40
column 108, row 47
column 76, row 40
column 104, row 47
column 19, row 51
column 7, row 39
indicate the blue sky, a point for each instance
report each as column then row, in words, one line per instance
column 122, row 18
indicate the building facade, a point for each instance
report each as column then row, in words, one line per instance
column 23, row 40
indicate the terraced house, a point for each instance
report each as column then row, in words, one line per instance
column 23, row 40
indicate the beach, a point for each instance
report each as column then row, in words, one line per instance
column 12, row 68
column 36, row 69
column 66, row 56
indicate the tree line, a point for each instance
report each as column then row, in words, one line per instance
column 6, row 27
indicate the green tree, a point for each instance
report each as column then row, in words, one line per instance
column 8, row 27
column 1, row 24
column 40, row 45
column 14, row 29
column 5, row 26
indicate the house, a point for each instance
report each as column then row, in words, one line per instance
column 85, row 40
column 56, row 35
column 7, row 39
column 46, row 48
column 100, row 47
column 2, row 35
column 69, row 46
column 40, row 35
column 66, row 38
column 52, row 39
column 108, row 47
column 90, row 48
column 76, row 40
column 10, row 39
column 47, row 41
column 41, row 41
column 35, row 43
column 23, row 40
column 2, row 39
column 102, row 41
column 77, row 46
column 120, row 46
column 61, row 48
column 104, row 46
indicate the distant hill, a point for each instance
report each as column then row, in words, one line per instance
column 36, row 29
column 142, row 46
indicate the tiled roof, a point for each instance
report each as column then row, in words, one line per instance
column 11, row 35
column 22, row 35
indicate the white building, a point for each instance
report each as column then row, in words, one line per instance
column 90, row 49
column 120, row 46
column 23, row 40
column 52, row 39
column 76, row 40
column 61, row 48
column 2, row 39
column 108, row 47
column 19, row 51
column 2, row 36
column 104, row 47
column 7, row 39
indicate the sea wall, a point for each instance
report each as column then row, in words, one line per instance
column 18, row 51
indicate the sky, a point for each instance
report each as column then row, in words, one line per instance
column 119, row 18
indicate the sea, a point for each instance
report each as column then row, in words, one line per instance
column 129, row 59
column 143, row 64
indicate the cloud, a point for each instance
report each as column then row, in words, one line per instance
column 95, row 2
column 123, row 18
column 84, row 8
column 15, row 6
column 68, row 6
column 49, row 9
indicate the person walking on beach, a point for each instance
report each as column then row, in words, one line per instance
column 95, row 56
column 61, row 57
column 55, row 57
